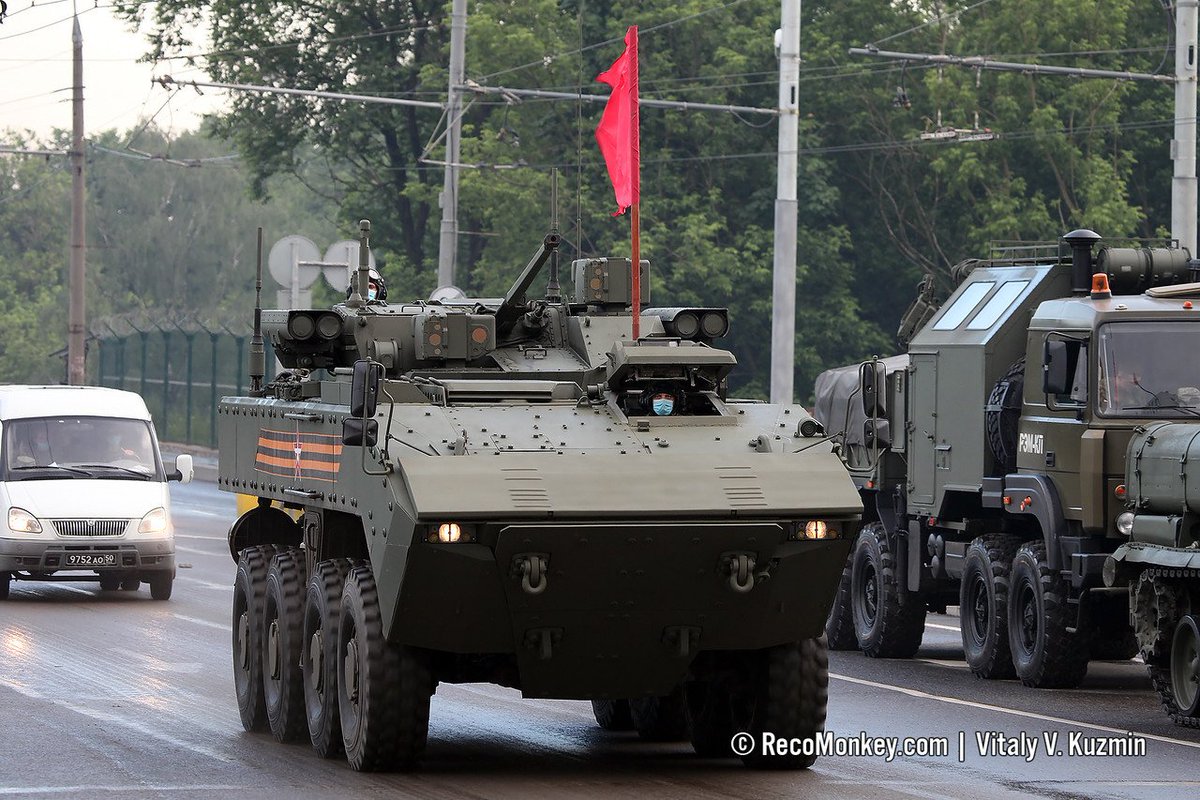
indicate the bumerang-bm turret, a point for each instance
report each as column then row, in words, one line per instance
column 1005, row 460
column 512, row 491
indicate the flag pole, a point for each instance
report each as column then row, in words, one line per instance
column 635, row 233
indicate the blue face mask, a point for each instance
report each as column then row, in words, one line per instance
column 371, row 293
column 663, row 406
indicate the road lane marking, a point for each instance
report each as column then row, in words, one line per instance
column 219, row 626
column 205, row 538
column 197, row 551
column 943, row 627
column 916, row 693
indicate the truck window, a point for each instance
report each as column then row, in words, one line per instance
column 89, row 446
column 1148, row 369
column 961, row 308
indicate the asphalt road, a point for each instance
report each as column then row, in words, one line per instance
column 112, row 694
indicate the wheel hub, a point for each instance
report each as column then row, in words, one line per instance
column 871, row 596
column 243, row 640
column 273, row 649
column 979, row 609
column 316, row 660
column 350, row 671
column 1029, row 620
column 1185, row 666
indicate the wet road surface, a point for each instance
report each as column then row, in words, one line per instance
column 106, row 694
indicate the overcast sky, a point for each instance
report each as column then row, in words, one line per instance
column 35, row 73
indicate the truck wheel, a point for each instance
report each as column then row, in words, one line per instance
column 5, row 580
column 790, row 693
column 887, row 622
column 612, row 715
column 383, row 688
column 160, row 585
column 1044, row 653
column 660, row 719
column 322, row 605
column 283, row 623
column 1185, row 668
column 710, row 710
column 248, row 589
column 839, row 627
column 109, row 582
column 983, row 605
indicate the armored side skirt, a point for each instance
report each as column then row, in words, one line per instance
column 617, row 610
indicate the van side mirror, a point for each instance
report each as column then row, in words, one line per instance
column 364, row 388
column 1059, row 361
column 872, row 378
column 183, row 469
column 360, row 432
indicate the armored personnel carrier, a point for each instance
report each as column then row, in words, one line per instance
column 992, row 457
column 1161, row 561
column 514, row 491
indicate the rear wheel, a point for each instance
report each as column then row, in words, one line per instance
column 839, row 627
column 322, row 612
column 131, row 584
column 1045, row 654
column 612, row 715
column 983, row 605
column 249, row 587
column 283, row 624
column 109, row 582
column 383, row 689
column 888, row 622
column 660, row 719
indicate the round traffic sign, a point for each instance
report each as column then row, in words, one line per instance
column 289, row 251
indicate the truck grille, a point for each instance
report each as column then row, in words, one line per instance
column 90, row 527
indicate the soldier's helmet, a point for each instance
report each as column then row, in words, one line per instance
column 376, row 288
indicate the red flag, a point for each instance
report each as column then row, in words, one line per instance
column 617, row 132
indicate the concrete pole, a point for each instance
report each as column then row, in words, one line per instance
column 783, row 292
column 1183, row 146
column 448, row 240
column 77, row 314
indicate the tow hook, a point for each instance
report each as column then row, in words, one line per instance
column 740, row 568
column 532, row 569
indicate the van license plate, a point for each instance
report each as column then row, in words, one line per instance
column 91, row 560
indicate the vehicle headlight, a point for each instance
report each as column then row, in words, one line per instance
column 21, row 521
column 451, row 533
column 1125, row 523
column 154, row 522
column 815, row 529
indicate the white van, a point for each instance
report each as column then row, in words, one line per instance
column 83, row 490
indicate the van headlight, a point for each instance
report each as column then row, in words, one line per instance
column 21, row 521
column 154, row 522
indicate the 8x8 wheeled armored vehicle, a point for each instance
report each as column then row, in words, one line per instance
column 511, row 491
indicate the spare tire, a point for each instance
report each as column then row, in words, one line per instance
column 1002, row 417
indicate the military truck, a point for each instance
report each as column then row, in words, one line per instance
column 516, row 491
column 991, row 456
column 1161, row 561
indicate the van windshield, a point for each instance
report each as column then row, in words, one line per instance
column 1148, row 369
column 78, row 447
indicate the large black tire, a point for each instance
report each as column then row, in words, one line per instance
column 661, row 719
column 790, row 690
column 131, row 584
column 710, row 704
column 5, row 580
column 839, row 626
column 322, row 612
column 161, row 584
column 613, row 715
column 983, row 605
column 110, row 581
column 383, row 689
column 283, row 628
column 249, row 588
column 1046, row 655
column 888, row 622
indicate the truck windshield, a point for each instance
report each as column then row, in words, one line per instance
column 1149, row 369
column 78, row 447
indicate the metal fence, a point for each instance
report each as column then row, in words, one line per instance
column 180, row 368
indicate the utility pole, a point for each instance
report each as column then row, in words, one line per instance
column 77, row 313
column 783, row 290
column 448, row 240
column 1183, row 145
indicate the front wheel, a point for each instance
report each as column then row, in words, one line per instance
column 612, row 715
column 5, row 580
column 109, row 582
column 249, row 588
column 660, row 719
column 383, row 688
column 789, row 691
column 161, row 585
column 1045, row 654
